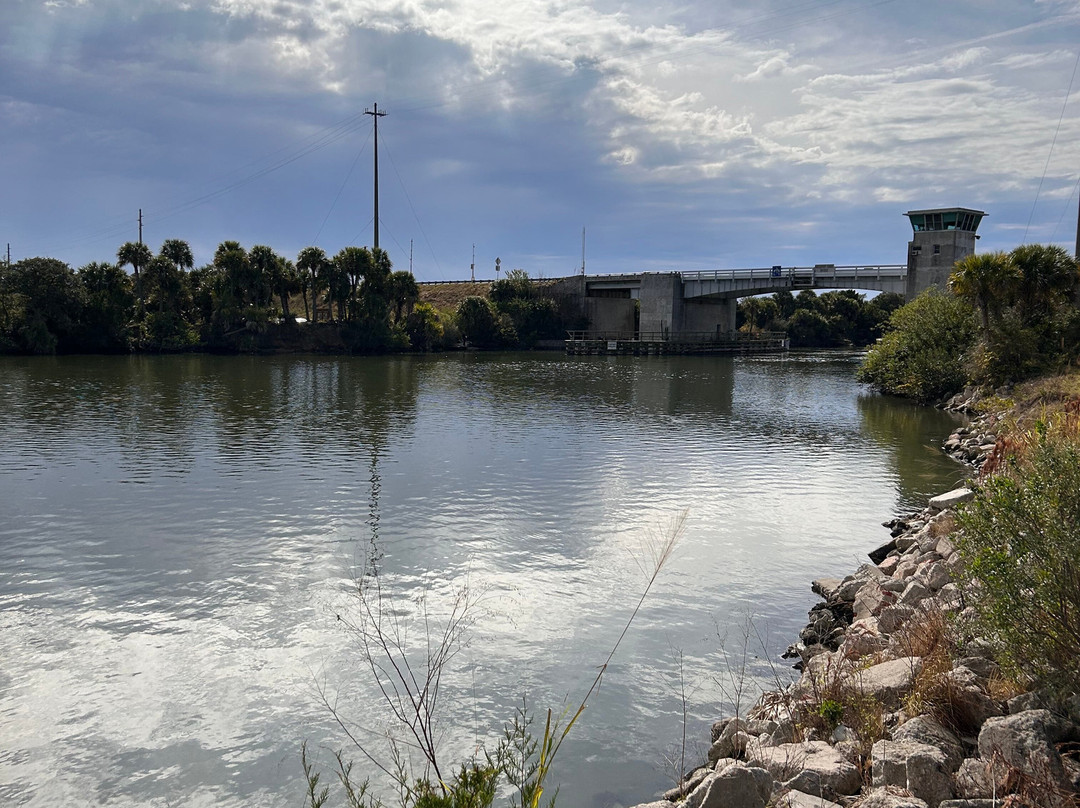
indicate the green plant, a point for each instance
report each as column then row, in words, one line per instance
column 922, row 355
column 831, row 711
column 1020, row 542
column 407, row 651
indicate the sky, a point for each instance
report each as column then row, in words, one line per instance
column 702, row 134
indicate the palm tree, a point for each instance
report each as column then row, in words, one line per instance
column 987, row 281
column 403, row 293
column 179, row 253
column 138, row 255
column 1048, row 276
column 311, row 262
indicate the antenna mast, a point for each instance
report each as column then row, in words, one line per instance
column 375, row 114
column 472, row 266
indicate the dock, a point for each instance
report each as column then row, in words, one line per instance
column 656, row 343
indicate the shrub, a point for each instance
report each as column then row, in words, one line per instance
column 1020, row 541
column 922, row 355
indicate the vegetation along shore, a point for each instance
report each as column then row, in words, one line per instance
column 944, row 674
column 253, row 300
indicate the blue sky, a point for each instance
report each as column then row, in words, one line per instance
column 689, row 135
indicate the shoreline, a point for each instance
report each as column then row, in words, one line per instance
column 883, row 715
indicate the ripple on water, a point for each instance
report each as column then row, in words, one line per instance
column 178, row 536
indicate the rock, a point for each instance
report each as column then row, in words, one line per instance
column 974, row 780
column 1024, row 702
column 824, row 587
column 892, row 617
column 934, row 576
column 862, row 639
column 968, row 803
column 969, row 699
column 951, row 499
column 914, row 594
column 881, row 553
column 813, row 767
column 882, row 798
column 736, row 787
column 731, row 740
column 920, row 768
column 689, row 784
column 905, row 543
column 925, row 730
column 658, row 804
column 945, row 547
column 799, row 799
column 761, row 726
column 888, row 565
column 887, row 682
column 1025, row 741
column 982, row 667
column 871, row 599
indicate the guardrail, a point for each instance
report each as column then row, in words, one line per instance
column 667, row 336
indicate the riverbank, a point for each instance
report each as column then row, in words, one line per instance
column 901, row 702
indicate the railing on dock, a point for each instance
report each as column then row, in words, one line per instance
column 665, row 342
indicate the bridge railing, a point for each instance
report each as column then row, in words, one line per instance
column 728, row 337
column 820, row 271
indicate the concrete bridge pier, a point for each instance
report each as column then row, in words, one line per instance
column 664, row 309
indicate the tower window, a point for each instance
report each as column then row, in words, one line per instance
column 937, row 249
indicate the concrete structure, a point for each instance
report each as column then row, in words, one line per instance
column 942, row 236
column 680, row 303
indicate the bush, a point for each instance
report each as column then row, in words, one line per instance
column 922, row 355
column 1020, row 541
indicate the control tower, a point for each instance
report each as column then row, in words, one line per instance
column 942, row 236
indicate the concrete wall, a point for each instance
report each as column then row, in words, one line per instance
column 928, row 266
column 709, row 314
column 661, row 298
column 610, row 313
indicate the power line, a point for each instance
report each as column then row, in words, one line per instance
column 1053, row 142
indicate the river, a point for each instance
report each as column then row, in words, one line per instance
column 179, row 536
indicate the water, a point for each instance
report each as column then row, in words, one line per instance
column 179, row 535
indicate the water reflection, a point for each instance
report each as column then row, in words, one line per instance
column 177, row 534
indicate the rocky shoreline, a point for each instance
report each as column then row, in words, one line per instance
column 890, row 711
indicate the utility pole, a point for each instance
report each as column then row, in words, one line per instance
column 1078, row 232
column 140, row 225
column 410, row 256
column 9, row 255
column 375, row 114
column 583, row 252
column 472, row 266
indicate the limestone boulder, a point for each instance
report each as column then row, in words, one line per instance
column 887, row 682
column 799, row 799
column 887, row 798
column 925, row 730
column 974, row 779
column 919, row 768
column 813, row 767
column 737, row 786
column 730, row 741
column 1025, row 741
column 951, row 499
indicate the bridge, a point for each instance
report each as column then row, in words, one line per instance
column 704, row 302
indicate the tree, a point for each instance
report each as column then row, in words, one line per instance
column 423, row 327
column 403, row 293
column 923, row 354
column 264, row 267
column 351, row 264
column 1048, row 277
column 312, row 263
column 51, row 299
column 138, row 255
column 987, row 281
column 476, row 321
column 178, row 252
